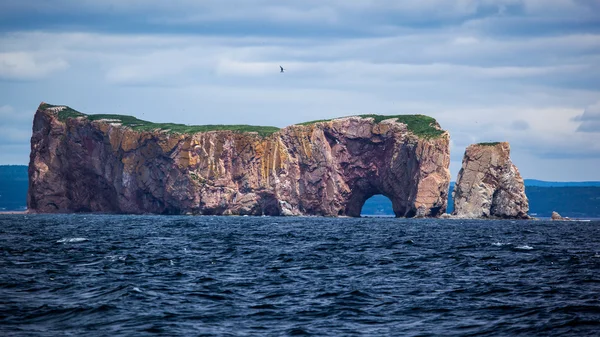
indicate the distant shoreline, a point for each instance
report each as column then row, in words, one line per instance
column 13, row 212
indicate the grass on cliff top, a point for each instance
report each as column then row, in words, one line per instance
column 421, row 125
column 141, row 125
column 489, row 144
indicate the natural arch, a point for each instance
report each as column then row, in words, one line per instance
column 377, row 205
column 364, row 189
column 356, row 203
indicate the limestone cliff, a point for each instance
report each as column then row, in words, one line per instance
column 118, row 164
column 489, row 184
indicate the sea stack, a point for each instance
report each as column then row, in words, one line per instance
column 489, row 184
column 119, row 164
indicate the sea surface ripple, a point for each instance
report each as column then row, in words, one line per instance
column 113, row 275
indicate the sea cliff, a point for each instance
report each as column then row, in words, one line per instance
column 119, row 164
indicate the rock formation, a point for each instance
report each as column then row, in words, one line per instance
column 556, row 216
column 118, row 164
column 489, row 184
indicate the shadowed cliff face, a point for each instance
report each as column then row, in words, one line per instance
column 489, row 184
column 326, row 168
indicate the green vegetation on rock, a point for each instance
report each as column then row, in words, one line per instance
column 66, row 112
column 489, row 144
column 141, row 125
column 421, row 125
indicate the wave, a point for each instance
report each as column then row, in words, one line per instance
column 72, row 240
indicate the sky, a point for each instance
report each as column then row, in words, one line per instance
column 522, row 71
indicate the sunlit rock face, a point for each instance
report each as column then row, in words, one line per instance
column 489, row 184
column 324, row 168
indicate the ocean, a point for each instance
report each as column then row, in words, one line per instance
column 121, row 275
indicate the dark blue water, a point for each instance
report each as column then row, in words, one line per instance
column 88, row 275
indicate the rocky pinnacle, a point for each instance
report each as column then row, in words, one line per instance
column 489, row 184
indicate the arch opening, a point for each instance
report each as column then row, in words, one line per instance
column 377, row 205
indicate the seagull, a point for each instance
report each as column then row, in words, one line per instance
column 281, row 69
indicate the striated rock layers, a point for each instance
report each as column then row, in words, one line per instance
column 84, row 164
column 489, row 184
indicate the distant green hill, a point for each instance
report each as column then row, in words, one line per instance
column 541, row 183
column 572, row 199
column 13, row 187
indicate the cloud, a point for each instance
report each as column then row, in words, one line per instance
column 27, row 66
column 300, row 18
column 519, row 124
column 11, row 135
column 590, row 119
column 14, row 154
column 15, row 128
column 9, row 116
column 6, row 110
column 142, row 59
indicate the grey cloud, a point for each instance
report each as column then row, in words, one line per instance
column 14, row 135
column 558, row 146
column 519, row 125
column 14, row 154
column 303, row 18
column 592, row 154
column 15, row 127
column 9, row 116
column 589, row 126
column 590, row 119
column 26, row 66
column 177, row 60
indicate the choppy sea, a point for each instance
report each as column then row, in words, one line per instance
column 107, row 275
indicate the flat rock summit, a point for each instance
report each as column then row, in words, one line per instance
column 119, row 164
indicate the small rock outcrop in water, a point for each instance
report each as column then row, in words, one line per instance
column 556, row 216
column 489, row 184
column 118, row 164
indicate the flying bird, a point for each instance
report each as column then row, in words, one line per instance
column 281, row 69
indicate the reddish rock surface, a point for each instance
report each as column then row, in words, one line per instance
column 325, row 168
column 489, row 184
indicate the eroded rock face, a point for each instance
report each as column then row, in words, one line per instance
column 326, row 168
column 489, row 184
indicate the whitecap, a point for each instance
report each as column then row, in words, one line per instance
column 524, row 247
column 114, row 258
column 137, row 289
column 71, row 240
column 500, row 244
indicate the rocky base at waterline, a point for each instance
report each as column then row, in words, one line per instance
column 556, row 216
column 13, row 212
column 489, row 184
column 119, row 164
